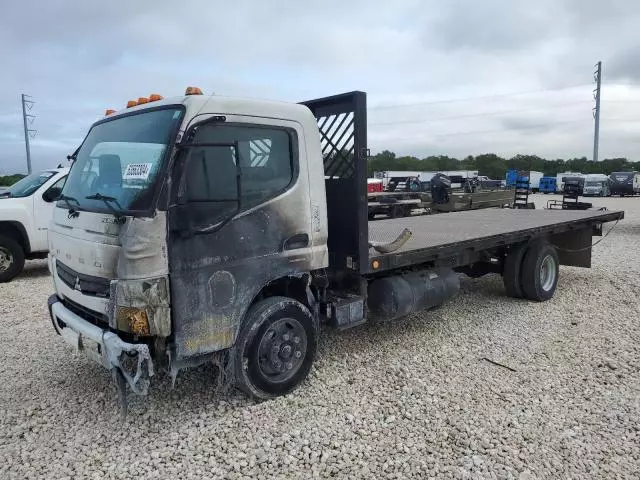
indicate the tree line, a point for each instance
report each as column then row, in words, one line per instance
column 494, row 166
column 10, row 179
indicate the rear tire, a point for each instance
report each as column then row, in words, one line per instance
column 539, row 272
column 511, row 272
column 11, row 259
column 275, row 348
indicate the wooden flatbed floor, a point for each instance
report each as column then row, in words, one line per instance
column 477, row 229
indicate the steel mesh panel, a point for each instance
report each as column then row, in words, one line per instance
column 337, row 139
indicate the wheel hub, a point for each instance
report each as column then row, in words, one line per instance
column 547, row 273
column 282, row 349
column 6, row 259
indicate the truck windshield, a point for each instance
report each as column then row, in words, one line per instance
column 27, row 185
column 120, row 159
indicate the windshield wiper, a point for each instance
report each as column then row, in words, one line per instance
column 67, row 200
column 107, row 201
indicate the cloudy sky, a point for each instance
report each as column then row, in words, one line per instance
column 453, row 77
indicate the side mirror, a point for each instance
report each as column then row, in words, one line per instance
column 52, row 194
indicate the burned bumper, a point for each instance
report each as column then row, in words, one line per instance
column 133, row 360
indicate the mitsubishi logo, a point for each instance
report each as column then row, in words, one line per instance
column 77, row 284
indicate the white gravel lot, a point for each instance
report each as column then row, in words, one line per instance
column 407, row 399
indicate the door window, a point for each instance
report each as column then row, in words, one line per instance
column 53, row 192
column 266, row 162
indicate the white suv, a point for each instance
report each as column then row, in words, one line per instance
column 26, row 208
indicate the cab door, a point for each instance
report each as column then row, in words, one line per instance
column 43, row 203
column 240, row 218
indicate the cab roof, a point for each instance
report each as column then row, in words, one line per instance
column 217, row 104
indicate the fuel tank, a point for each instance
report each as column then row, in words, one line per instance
column 400, row 295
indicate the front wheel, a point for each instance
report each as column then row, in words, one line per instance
column 276, row 347
column 11, row 259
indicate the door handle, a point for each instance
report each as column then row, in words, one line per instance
column 299, row 240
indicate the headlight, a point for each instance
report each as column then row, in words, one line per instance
column 142, row 307
column 132, row 319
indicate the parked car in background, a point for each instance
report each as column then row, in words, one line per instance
column 26, row 208
column 596, row 185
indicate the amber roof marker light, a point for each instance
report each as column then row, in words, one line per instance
column 193, row 91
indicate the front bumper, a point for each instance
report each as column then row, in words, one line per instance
column 103, row 346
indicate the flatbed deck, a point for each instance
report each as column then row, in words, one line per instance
column 439, row 236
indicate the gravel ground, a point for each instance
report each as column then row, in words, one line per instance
column 408, row 399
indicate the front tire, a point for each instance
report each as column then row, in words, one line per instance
column 275, row 348
column 539, row 272
column 11, row 259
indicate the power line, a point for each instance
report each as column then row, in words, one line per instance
column 481, row 97
column 497, row 130
column 481, row 114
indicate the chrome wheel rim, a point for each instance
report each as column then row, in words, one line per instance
column 547, row 273
column 6, row 259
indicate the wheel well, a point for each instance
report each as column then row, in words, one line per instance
column 16, row 231
column 292, row 287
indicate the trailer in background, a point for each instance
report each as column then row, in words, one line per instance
column 560, row 181
column 577, row 183
column 513, row 176
column 374, row 185
column 624, row 183
column 596, row 185
column 547, row 185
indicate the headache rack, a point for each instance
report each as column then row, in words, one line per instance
column 570, row 198
column 342, row 121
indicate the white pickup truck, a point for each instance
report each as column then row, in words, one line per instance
column 26, row 208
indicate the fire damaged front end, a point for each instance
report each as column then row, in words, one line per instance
column 112, row 298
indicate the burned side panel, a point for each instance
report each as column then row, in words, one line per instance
column 215, row 277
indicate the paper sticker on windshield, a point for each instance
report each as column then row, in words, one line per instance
column 137, row 171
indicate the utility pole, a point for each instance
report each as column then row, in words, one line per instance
column 597, row 77
column 27, row 119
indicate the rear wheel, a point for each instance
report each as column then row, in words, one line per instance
column 276, row 347
column 511, row 272
column 539, row 272
column 11, row 259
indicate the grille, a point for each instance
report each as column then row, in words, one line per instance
column 87, row 314
column 88, row 285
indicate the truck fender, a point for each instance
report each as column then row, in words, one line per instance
column 18, row 232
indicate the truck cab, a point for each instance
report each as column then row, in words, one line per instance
column 181, row 213
column 26, row 208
